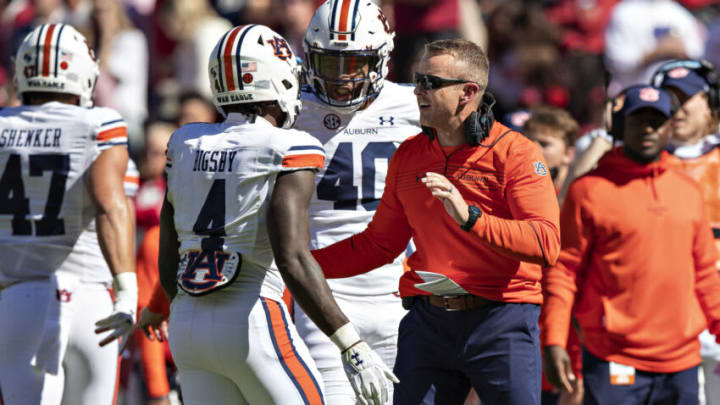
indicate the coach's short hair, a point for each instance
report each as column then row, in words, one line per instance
column 470, row 54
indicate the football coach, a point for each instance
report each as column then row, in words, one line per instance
column 479, row 203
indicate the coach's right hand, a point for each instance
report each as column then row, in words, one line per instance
column 153, row 325
column 558, row 371
column 364, row 368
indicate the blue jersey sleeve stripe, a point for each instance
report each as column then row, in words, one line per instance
column 112, row 122
column 306, row 147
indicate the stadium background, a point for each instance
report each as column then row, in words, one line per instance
column 153, row 62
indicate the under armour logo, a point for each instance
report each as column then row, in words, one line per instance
column 390, row 121
column 356, row 359
column 63, row 295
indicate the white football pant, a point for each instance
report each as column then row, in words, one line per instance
column 376, row 319
column 23, row 309
column 234, row 347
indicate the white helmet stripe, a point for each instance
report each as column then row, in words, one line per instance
column 37, row 49
column 354, row 19
column 219, row 61
column 342, row 22
column 46, row 49
column 57, row 47
column 227, row 59
column 238, row 63
column 229, row 67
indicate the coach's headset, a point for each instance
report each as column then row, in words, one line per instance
column 477, row 125
column 703, row 68
column 616, row 126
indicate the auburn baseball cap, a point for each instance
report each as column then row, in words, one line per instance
column 686, row 80
column 637, row 97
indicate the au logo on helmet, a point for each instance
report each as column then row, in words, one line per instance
column 282, row 49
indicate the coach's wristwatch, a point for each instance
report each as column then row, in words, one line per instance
column 475, row 213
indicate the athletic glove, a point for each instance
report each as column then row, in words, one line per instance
column 364, row 368
column 122, row 319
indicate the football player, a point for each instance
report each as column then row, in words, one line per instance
column 360, row 118
column 234, row 232
column 66, row 228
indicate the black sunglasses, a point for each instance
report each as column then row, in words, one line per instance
column 430, row 82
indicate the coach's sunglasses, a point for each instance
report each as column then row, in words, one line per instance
column 430, row 82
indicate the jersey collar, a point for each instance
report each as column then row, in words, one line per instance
column 237, row 118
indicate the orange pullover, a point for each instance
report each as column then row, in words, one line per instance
column 638, row 254
column 500, row 258
column 152, row 352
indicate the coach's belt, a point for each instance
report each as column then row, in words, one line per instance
column 458, row 302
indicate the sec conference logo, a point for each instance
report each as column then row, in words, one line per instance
column 332, row 121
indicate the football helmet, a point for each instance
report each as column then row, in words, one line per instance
column 56, row 58
column 251, row 64
column 347, row 48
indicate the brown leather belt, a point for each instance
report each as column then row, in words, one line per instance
column 458, row 303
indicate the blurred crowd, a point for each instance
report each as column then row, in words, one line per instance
column 564, row 54
column 568, row 54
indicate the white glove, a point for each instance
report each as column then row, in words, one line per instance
column 122, row 319
column 364, row 368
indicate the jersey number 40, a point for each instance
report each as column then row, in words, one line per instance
column 337, row 183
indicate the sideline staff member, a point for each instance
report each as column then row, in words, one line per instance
column 480, row 205
column 638, row 253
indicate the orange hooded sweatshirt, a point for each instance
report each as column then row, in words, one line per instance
column 500, row 258
column 637, row 254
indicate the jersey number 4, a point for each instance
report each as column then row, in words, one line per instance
column 12, row 194
column 211, row 219
column 337, row 183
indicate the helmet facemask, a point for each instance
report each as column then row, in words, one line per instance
column 347, row 48
column 344, row 79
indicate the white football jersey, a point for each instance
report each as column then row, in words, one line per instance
column 45, row 206
column 131, row 182
column 348, row 189
column 220, row 180
column 93, row 267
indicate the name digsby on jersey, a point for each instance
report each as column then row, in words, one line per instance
column 213, row 161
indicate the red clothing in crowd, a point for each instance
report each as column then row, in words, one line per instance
column 638, row 253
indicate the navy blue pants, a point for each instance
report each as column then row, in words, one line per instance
column 680, row 388
column 441, row 354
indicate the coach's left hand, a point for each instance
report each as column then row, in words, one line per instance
column 442, row 189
